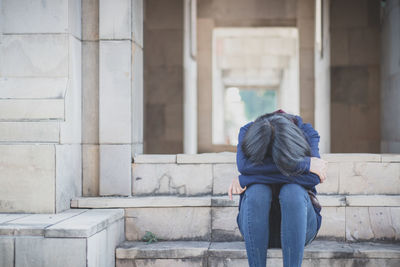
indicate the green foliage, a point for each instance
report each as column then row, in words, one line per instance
column 149, row 237
column 258, row 102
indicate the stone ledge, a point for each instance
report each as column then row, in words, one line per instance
column 154, row 158
column 390, row 157
column 223, row 157
column 71, row 223
column 236, row 250
column 224, row 201
column 352, row 157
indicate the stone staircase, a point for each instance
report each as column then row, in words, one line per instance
column 182, row 199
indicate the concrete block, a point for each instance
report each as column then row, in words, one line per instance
column 115, row 92
column 47, row 132
column 34, row 17
column 90, row 20
column 115, row 19
column 222, row 157
column 141, row 202
column 7, row 252
column 33, row 87
column 85, row 224
column 137, row 22
column 224, row 225
column 161, row 250
column 115, row 170
column 154, row 158
column 223, row 174
column 137, row 99
column 331, row 184
column 185, row 223
column 71, row 129
column 115, row 236
column 68, row 175
column 333, row 224
column 90, row 170
column 97, row 250
column 90, row 92
column 38, row 252
column 369, row 178
column 26, row 109
column 150, row 179
column 34, row 55
column 34, row 167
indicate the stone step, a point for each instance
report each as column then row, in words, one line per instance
column 213, row 218
column 230, row 254
column 212, row 173
column 77, row 237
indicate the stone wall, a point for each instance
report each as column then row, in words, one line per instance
column 355, row 76
column 390, row 73
column 163, row 76
column 40, row 105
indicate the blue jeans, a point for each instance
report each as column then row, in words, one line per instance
column 298, row 223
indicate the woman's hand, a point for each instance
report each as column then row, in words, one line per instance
column 319, row 167
column 235, row 188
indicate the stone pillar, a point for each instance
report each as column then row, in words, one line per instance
column 40, row 105
column 390, row 77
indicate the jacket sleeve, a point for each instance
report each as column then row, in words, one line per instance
column 258, row 171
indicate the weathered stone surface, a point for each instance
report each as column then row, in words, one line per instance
column 331, row 184
column 169, row 262
column 115, row 92
column 115, row 236
column 140, row 202
column 34, row 225
column 332, row 201
column 75, row 18
column 374, row 223
column 6, row 252
column 137, row 22
column 90, row 170
column 33, row 87
column 223, row 174
column 85, row 224
column 115, row 170
column 224, row 201
column 97, row 249
column 390, row 157
column 353, row 157
column 34, row 55
column 373, row 200
column 224, row 225
column 137, row 97
column 26, row 109
column 90, row 20
column 115, row 19
column 34, row 17
column 369, row 178
column 160, row 250
column 32, row 166
column 223, row 157
column 172, row 179
column 29, row 132
column 68, row 175
column 38, row 252
column 183, row 223
column 154, row 158
column 333, row 224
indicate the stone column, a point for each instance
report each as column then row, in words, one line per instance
column 40, row 105
column 390, row 77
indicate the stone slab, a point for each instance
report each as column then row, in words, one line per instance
column 140, row 202
column 34, row 167
column 183, row 223
column 115, row 92
column 333, row 224
column 390, row 157
column 167, row 179
column 332, row 200
column 354, row 157
column 85, row 224
column 115, row 170
column 224, row 225
column 97, row 249
column 223, row 174
column 38, row 252
column 33, row 87
column 115, row 19
column 331, row 184
column 154, row 158
column 161, row 250
column 187, row 262
column 6, row 252
column 35, row 224
column 223, row 157
column 46, row 132
column 137, row 21
column 137, row 96
column 90, row 170
column 373, row 200
column 8, row 217
column 27, row 109
column 34, row 55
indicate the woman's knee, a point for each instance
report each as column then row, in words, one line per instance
column 293, row 194
column 258, row 194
